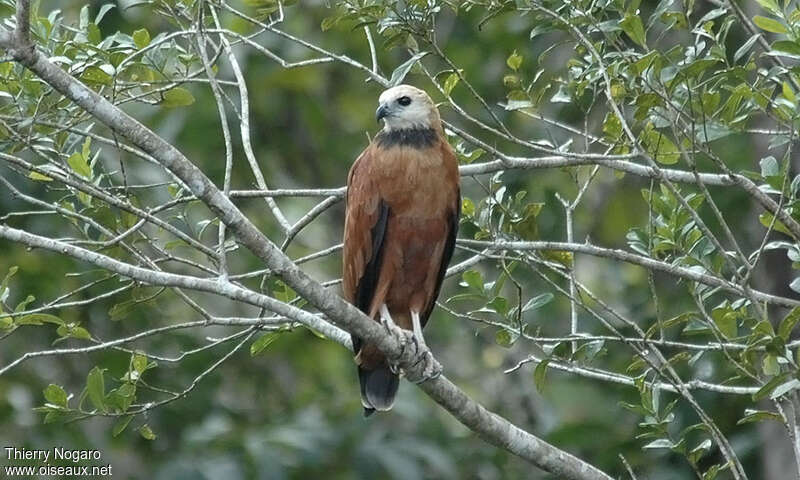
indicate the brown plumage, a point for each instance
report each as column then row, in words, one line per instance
column 401, row 222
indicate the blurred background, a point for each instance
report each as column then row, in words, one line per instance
column 293, row 411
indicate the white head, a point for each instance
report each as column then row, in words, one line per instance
column 405, row 107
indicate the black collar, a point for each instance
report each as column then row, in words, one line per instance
column 408, row 137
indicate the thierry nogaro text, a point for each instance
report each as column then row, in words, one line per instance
column 60, row 455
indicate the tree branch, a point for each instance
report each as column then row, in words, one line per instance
column 616, row 254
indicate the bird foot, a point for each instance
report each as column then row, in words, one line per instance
column 431, row 369
column 398, row 333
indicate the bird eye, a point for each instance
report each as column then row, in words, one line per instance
column 404, row 101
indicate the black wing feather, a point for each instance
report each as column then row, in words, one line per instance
column 369, row 280
column 447, row 254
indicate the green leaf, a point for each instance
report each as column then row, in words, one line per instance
column 675, row 20
column 694, row 69
column 711, row 473
column 771, row 6
column 653, row 58
column 450, row 83
column 102, row 13
column 177, row 97
column 95, row 74
column 56, row 395
column 122, row 310
column 61, row 416
column 4, row 290
column 505, row 338
column 141, row 38
column 473, row 279
column 499, row 305
column 138, row 72
column 770, row 365
column 93, row 34
column 632, row 26
column 283, row 292
column 80, row 333
column 146, row 432
column 711, row 131
column 514, row 61
column 659, row 146
column 788, row 93
column 612, row 126
column 39, row 177
column 769, row 24
column 467, row 207
column 329, row 22
column 788, row 323
column 791, row 49
column 746, row 46
column 261, row 343
column 751, row 415
column 471, row 156
column 726, row 321
column 21, row 306
column 83, row 17
column 697, row 452
column 526, row 225
column 466, row 297
column 86, row 148
column 139, row 362
column 400, row 72
column 121, row 398
column 769, row 167
column 39, row 319
column 539, row 374
column 659, row 443
column 95, row 387
column 121, row 425
column 512, row 105
column 561, row 256
column 766, row 220
column 538, row 301
column 588, row 351
column 784, row 388
column 767, row 389
column 78, row 163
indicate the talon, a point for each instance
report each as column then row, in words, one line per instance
column 385, row 324
column 396, row 359
column 420, row 358
column 416, row 345
column 432, row 369
column 393, row 368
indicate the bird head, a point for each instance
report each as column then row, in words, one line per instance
column 405, row 107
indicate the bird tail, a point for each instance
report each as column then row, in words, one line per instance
column 378, row 388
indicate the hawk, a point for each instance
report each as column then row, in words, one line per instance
column 402, row 208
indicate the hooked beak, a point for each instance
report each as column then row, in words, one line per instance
column 381, row 112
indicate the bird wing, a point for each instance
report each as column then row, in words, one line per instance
column 452, row 231
column 366, row 218
column 447, row 254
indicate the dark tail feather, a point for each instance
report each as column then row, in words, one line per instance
column 378, row 389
